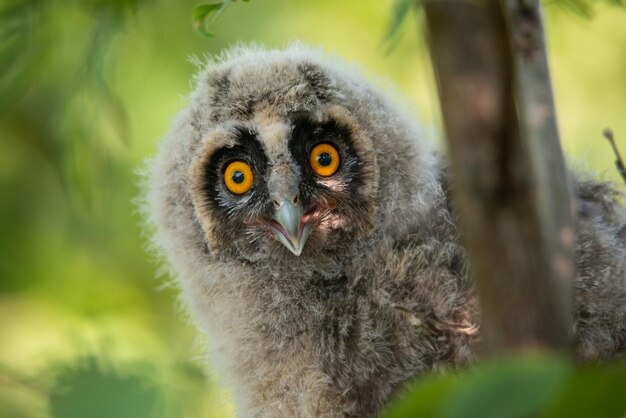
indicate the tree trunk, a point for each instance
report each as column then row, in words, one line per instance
column 509, row 182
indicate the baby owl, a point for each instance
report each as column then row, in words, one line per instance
column 308, row 224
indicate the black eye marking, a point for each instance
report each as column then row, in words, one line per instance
column 219, row 184
column 318, row 181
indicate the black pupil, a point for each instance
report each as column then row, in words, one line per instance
column 324, row 159
column 238, row 177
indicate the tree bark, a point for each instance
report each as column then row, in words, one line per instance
column 509, row 182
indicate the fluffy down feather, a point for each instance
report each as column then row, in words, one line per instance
column 382, row 291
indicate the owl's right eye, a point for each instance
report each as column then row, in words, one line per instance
column 238, row 177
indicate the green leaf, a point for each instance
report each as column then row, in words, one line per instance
column 90, row 391
column 206, row 14
column 520, row 387
column 398, row 15
column 579, row 7
column 424, row 398
column 586, row 8
column 598, row 392
column 545, row 387
column 514, row 388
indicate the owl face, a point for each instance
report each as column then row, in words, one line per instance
column 287, row 157
column 279, row 186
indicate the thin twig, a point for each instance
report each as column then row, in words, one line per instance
column 619, row 163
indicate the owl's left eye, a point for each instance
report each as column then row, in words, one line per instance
column 238, row 177
column 324, row 160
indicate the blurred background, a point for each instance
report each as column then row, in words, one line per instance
column 87, row 88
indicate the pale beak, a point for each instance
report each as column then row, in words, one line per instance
column 291, row 226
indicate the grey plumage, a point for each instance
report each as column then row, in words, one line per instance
column 381, row 290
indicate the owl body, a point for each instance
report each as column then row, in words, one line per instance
column 323, row 293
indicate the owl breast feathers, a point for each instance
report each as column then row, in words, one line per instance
column 306, row 220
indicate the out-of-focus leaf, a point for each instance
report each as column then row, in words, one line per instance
column 90, row 391
column 393, row 34
column 524, row 387
column 514, row 388
column 424, row 398
column 504, row 388
column 399, row 13
column 32, row 76
column 598, row 392
column 206, row 14
column 579, row 7
column 21, row 23
column 584, row 8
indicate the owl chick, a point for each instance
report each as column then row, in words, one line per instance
column 308, row 225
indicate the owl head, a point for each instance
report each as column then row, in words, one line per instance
column 285, row 156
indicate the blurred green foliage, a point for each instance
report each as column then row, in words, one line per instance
column 585, row 8
column 530, row 386
column 402, row 8
column 86, row 89
column 87, row 390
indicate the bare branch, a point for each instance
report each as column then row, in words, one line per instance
column 619, row 163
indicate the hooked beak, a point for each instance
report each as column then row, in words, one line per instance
column 291, row 226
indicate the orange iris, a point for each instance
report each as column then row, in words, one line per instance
column 238, row 177
column 324, row 160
